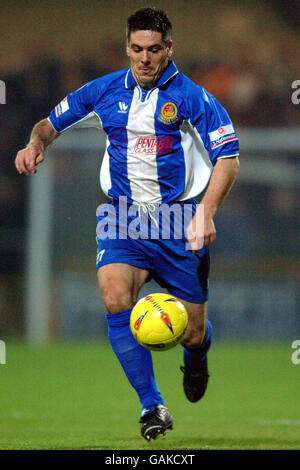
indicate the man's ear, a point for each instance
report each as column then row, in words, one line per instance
column 170, row 49
column 127, row 49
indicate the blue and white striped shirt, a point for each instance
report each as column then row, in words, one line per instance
column 162, row 143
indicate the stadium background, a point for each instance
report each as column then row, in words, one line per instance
column 247, row 55
column 63, row 394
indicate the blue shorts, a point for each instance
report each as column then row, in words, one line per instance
column 174, row 267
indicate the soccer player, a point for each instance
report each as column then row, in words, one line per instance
column 168, row 141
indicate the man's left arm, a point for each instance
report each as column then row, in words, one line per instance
column 220, row 184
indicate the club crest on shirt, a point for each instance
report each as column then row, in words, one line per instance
column 168, row 113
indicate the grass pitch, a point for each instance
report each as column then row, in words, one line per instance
column 75, row 396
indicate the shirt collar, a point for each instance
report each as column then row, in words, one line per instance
column 169, row 73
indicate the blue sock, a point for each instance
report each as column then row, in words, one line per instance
column 194, row 356
column 135, row 360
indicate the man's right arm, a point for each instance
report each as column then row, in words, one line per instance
column 42, row 136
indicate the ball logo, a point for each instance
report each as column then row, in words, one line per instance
column 221, row 130
column 168, row 113
column 156, row 346
column 139, row 321
column 165, row 318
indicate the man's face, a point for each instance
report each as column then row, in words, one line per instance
column 148, row 56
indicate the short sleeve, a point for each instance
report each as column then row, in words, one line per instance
column 77, row 109
column 214, row 125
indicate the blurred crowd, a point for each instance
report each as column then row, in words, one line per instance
column 250, row 73
column 256, row 90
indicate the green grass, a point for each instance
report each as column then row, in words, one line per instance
column 74, row 396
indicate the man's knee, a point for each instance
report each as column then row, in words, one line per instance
column 196, row 328
column 116, row 297
column 195, row 332
column 116, row 292
column 120, row 285
column 193, row 340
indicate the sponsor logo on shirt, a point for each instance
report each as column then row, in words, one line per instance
column 123, row 108
column 153, row 145
column 62, row 107
column 168, row 113
column 222, row 135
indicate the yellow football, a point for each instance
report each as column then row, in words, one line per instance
column 158, row 321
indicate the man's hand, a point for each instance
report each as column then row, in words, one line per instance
column 42, row 136
column 28, row 158
column 209, row 231
column 201, row 230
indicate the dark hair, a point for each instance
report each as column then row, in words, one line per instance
column 149, row 19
